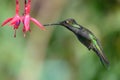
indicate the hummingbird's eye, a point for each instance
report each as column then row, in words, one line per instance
column 67, row 22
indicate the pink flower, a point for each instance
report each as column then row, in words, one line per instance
column 27, row 18
column 14, row 21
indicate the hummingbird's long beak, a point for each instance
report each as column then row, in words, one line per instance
column 51, row 24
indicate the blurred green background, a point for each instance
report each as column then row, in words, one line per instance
column 56, row 54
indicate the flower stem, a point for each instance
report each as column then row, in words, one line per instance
column 17, row 6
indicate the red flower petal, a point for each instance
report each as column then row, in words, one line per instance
column 13, row 22
column 16, row 25
column 15, row 19
column 27, row 22
column 37, row 23
column 6, row 21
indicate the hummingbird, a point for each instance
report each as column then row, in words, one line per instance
column 86, row 37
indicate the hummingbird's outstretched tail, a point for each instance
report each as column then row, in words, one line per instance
column 85, row 36
column 102, row 58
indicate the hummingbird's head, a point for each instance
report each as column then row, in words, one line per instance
column 69, row 23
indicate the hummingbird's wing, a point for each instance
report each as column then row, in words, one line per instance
column 96, row 47
column 102, row 57
column 93, row 43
